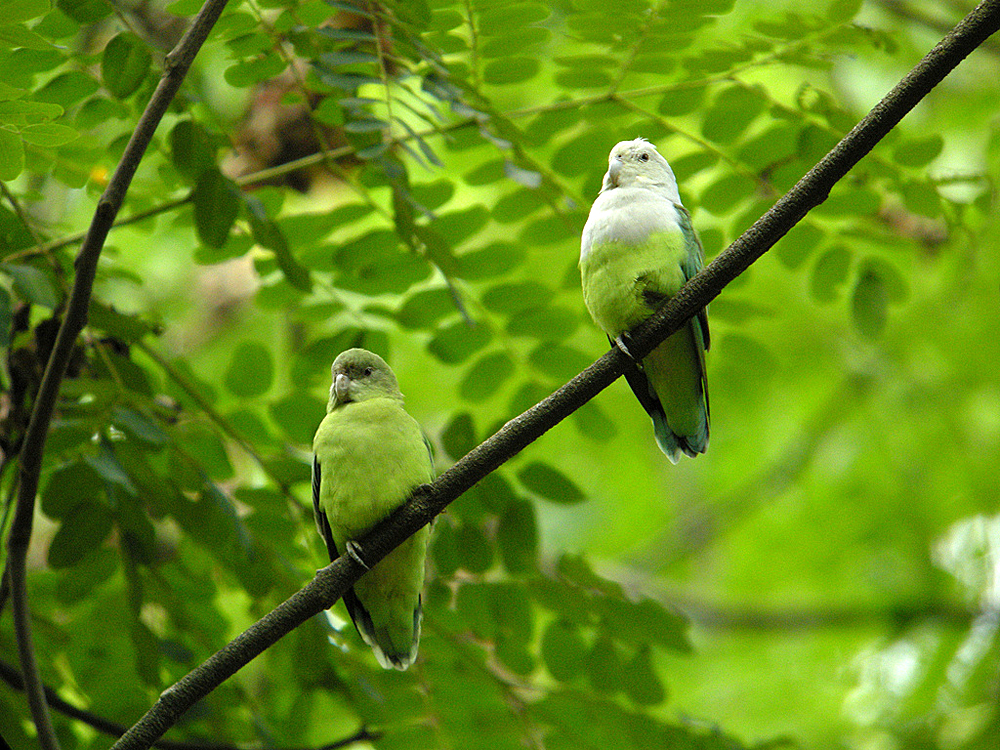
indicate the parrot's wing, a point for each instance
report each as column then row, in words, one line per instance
column 359, row 615
column 637, row 381
column 322, row 524
column 694, row 261
column 654, row 298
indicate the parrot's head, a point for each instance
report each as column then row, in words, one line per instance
column 638, row 164
column 358, row 375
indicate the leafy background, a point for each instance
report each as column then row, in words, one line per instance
column 823, row 577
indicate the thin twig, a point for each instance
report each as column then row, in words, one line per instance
column 176, row 66
column 331, row 582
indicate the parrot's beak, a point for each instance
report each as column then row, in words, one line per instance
column 341, row 387
column 614, row 167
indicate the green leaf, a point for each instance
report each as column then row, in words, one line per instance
column 68, row 486
column 444, row 552
column 425, row 308
column 48, row 134
column 515, row 40
column 268, row 234
column 191, row 149
column 16, row 35
column 501, row 19
column 251, row 371
column 216, row 206
column 870, row 302
column 11, row 154
column 83, row 530
column 583, row 78
column 494, row 493
column 841, row 11
column 86, row 574
column 547, row 323
column 85, row 11
column 128, row 328
column 592, row 422
column 681, row 101
column 437, row 249
column 559, row 361
column 456, row 227
column 517, row 537
column 459, row 437
column 721, row 197
column 475, row 553
column 550, row 483
column 563, row 650
column 17, row 11
column 796, row 246
column 515, row 206
column 922, row 198
column 509, row 70
column 251, row 72
column 124, row 65
column 138, row 425
column 66, row 89
column 20, row 112
column 515, row 297
column 642, row 622
column 31, row 285
column 642, row 685
column 829, row 273
column 496, row 259
column 604, row 667
column 918, row 152
column 731, row 113
column 298, row 415
column 457, row 342
column 486, row 376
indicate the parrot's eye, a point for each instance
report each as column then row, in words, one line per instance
column 368, row 371
column 643, row 156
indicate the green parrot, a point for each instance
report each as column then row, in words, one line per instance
column 638, row 249
column 368, row 456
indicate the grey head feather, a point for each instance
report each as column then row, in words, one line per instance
column 637, row 163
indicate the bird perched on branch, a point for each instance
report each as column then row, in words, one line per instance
column 369, row 455
column 638, row 249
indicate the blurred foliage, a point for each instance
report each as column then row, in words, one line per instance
column 412, row 176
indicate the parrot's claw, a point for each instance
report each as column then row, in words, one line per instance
column 354, row 551
column 620, row 343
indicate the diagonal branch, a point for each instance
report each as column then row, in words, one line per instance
column 12, row 677
column 176, row 66
column 332, row 581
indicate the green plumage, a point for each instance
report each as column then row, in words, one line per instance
column 369, row 455
column 638, row 249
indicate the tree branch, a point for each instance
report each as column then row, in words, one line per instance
column 176, row 66
column 331, row 582
column 788, row 619
column 12, row 677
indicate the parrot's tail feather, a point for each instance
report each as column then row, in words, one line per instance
column 388, row 654
column 673, row 444
column 665, row 437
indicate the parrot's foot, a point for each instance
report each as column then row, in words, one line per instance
column 354, row 551
column 621, row 343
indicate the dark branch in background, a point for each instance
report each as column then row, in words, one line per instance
column 332, row 581
column 729, row 617
column 176, row 66
column 12, row 677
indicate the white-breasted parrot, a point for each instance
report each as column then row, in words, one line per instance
column 368, row 456
column 638, row 249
